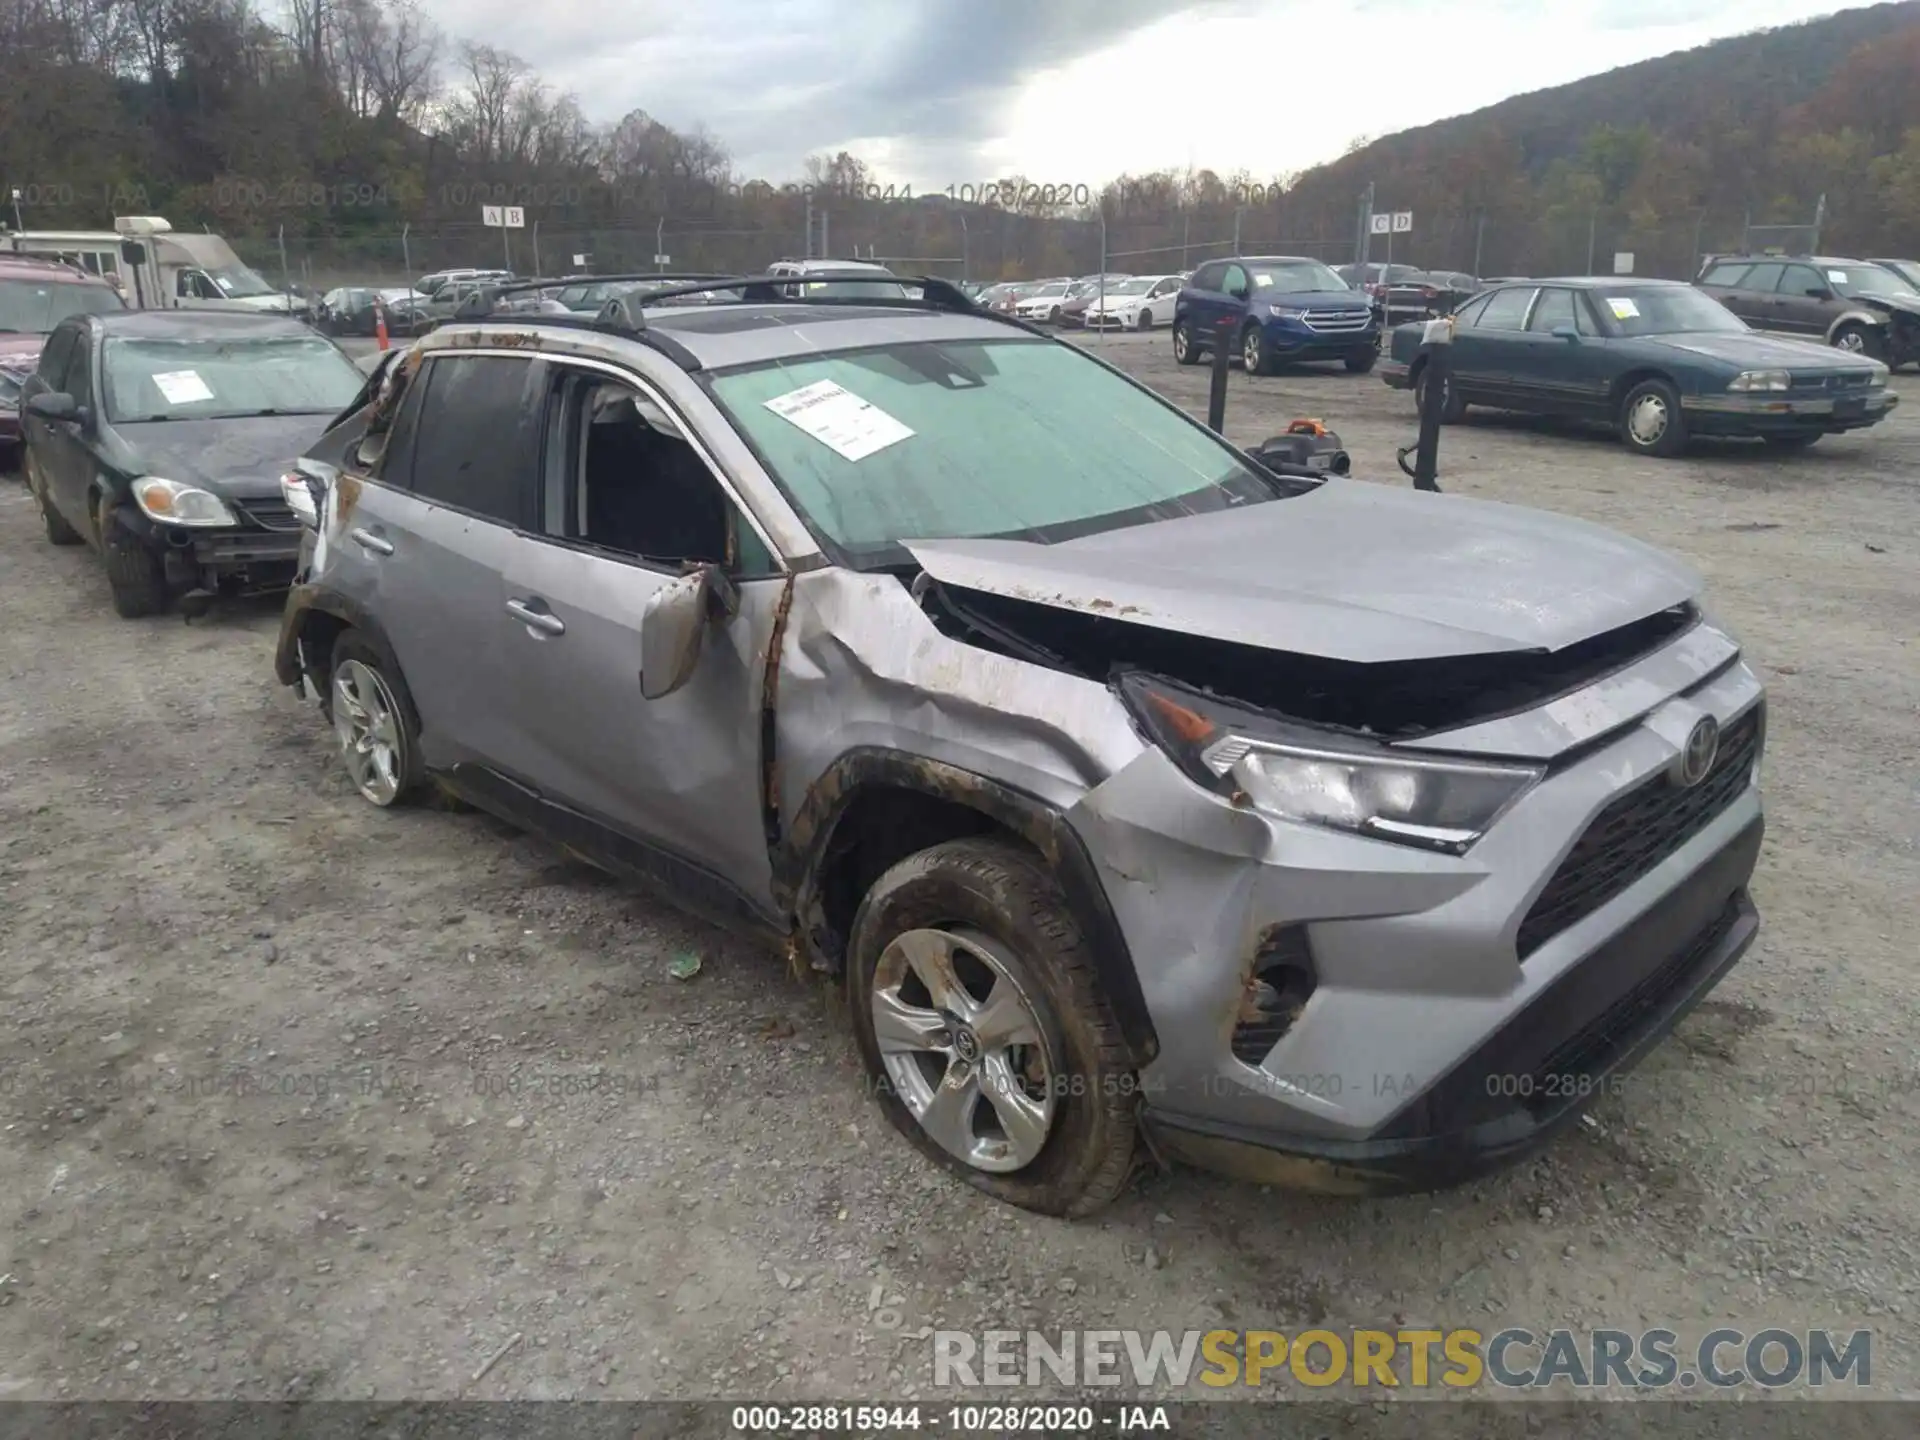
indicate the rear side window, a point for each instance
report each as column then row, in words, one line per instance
column 1505, row 309
column 472, row 445
column 1207, row 277
column 1726, row 273
column 1763, row 277
column 78, row 381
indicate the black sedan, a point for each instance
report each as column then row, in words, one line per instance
column 159, row 438
column 1657, row 360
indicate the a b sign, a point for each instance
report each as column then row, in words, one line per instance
column 510, row 217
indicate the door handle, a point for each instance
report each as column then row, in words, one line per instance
column 367, row 540
column 545, row 621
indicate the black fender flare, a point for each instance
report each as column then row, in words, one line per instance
column 799, row 859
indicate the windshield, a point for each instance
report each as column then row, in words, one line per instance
column 34, row 307
column 237, row 281
column 1047, row 292
column 1867, row 279
column 1021, row 439
column 1670, row 310
column 206, row 379
column 1294, row 277
column 1130, row 287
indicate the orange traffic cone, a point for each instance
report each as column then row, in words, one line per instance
column 380, row 325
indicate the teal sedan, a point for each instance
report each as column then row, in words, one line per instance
column 1657, row 360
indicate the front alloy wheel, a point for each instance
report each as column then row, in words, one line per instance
column 964, row 1048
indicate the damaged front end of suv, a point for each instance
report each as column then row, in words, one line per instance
column 1428, row 816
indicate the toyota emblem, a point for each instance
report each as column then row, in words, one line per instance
column 1698, row 754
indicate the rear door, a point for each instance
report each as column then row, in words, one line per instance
column 1203, row 303
column 1756, row 298
column 426, row 543
column 1486, row 343
column 670, row 786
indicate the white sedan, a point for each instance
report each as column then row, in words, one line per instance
column 1137, row 304
column 1044, row 304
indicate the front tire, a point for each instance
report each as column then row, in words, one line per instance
column 136, row 577
column 1362, row 363
column 1144, row 320
column 1452, row 408
column 979, row 1015
column 374, row 723
column 1651, row 422
column 1861, row 340
column 1185, row 352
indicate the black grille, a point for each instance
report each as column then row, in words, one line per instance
column 1636, row 832
column 269, row 514
column 1592, row 1050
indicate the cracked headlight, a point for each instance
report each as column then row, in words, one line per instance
column 1327, row 778
column 172, row 503
column 1748, row 380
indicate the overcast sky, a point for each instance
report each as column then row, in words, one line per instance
column 947, row 92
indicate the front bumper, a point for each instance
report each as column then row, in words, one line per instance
column 252, row 555
column 1462, row 1009
column 1784, row 413
column 1289, row 341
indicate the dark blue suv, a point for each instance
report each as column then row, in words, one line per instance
column 1276, row 308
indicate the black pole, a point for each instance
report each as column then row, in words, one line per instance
column 1217, row 393
column 1435, row 379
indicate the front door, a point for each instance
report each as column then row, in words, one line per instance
column 670, row 787
column 1559, row 363
column 1805, row 304
column 1483, row 350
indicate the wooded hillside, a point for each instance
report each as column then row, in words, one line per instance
column 351, row 137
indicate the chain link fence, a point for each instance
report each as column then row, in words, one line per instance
column 991, row 246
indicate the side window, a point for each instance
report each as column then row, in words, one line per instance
column 1505, row 309
column 1169, row 286
column 53, row 356
column 1763, row 277
column 1728, row 273
column 1234, row 279
column 621, row 479
column 1554, row 310
column 78, row 380
column 1207, row 277
column 1804, row 280
column 1468, row 315
column 471, row 451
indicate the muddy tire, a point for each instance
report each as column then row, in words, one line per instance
column 136, row 577
column 1006, row 1066
column 59, row 532
column 375, row 725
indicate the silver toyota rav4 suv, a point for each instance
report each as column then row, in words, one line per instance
column 1148, row 801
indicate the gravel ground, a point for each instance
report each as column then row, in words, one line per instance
column 303, row 1099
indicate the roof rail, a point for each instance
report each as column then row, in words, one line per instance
column 621, row 314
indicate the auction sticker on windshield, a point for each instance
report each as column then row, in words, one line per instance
column 1623, row 309
column 183, row 387
column 839, row 419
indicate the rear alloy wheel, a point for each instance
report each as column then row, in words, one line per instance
column 1184, row 350
column 981, row 1021
column 379, row 744
column 1253, row 352
column 1861, row 340
column 1651, row 422
column 59, row 532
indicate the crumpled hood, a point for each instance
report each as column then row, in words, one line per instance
column 1751, row 350
column 1892, row 300
column 1350, row 571
column 243, row 459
